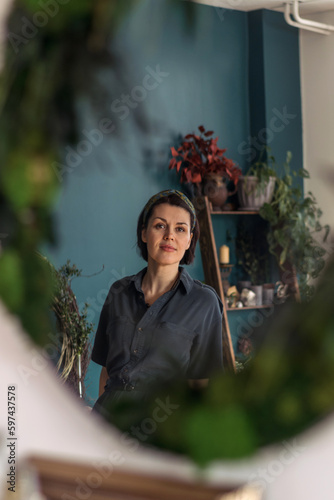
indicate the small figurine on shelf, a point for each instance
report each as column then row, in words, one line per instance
column 248, row 298
column 232, row 295
column 282, row 292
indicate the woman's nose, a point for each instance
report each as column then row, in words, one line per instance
column 169, row 235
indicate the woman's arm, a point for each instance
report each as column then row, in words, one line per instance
column 206, row 355
column 198, row 383
column 103, row 380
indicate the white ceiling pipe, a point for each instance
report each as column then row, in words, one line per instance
column 288, row 19
column 308, row 22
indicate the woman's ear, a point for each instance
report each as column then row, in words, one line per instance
column 143, row 234
column 191, row 237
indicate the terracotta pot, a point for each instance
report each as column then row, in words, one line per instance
column 248, row 195
column 216, row 191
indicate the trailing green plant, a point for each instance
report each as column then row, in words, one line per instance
column 294, row 223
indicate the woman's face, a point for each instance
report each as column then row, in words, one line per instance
column 168, row 234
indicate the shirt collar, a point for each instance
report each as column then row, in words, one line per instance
column 137, row 279
column 185, row 279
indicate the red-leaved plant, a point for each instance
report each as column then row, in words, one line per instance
column 197, row 157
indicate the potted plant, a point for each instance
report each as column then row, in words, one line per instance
column 294, row 223
column 257, row 186
column 203, row 164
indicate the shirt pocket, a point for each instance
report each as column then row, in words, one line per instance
column 170, row 348
column 174, row 330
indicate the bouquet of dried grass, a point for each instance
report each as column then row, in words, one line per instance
column 74, row 330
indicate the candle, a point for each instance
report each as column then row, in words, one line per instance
column 224, row 254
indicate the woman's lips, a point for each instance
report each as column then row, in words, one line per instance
column 167, row 248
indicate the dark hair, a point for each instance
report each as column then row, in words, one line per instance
column 172, row 199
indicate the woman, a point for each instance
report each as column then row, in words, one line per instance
column 159, row 324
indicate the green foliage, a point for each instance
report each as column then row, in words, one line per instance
column 26, row 289
column 294, row 222
column 12, row 280
column 230, row 430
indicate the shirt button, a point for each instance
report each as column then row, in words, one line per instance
column 135, row 351
column 140, row 329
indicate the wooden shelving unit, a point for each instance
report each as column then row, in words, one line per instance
column 230, row 309
column 212, row 273
column 234, row 212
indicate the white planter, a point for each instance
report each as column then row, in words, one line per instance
column 257, row 289
column 250, row 198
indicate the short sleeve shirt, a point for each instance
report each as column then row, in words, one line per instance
column 179, row 335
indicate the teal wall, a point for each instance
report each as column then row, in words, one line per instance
column 274, row 88
column 205, row 82
column 282, row 88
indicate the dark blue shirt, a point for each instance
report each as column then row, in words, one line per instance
column 179, row 335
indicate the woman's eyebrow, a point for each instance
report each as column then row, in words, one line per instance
column 161, row 218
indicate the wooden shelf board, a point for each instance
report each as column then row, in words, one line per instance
column 248, row 308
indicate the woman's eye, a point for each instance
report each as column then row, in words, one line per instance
column 160, row 226
column 180, row 229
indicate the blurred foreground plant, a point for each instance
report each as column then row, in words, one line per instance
column 286, row 388
column 46, row 69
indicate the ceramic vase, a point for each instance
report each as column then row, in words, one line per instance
column 216, row 191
